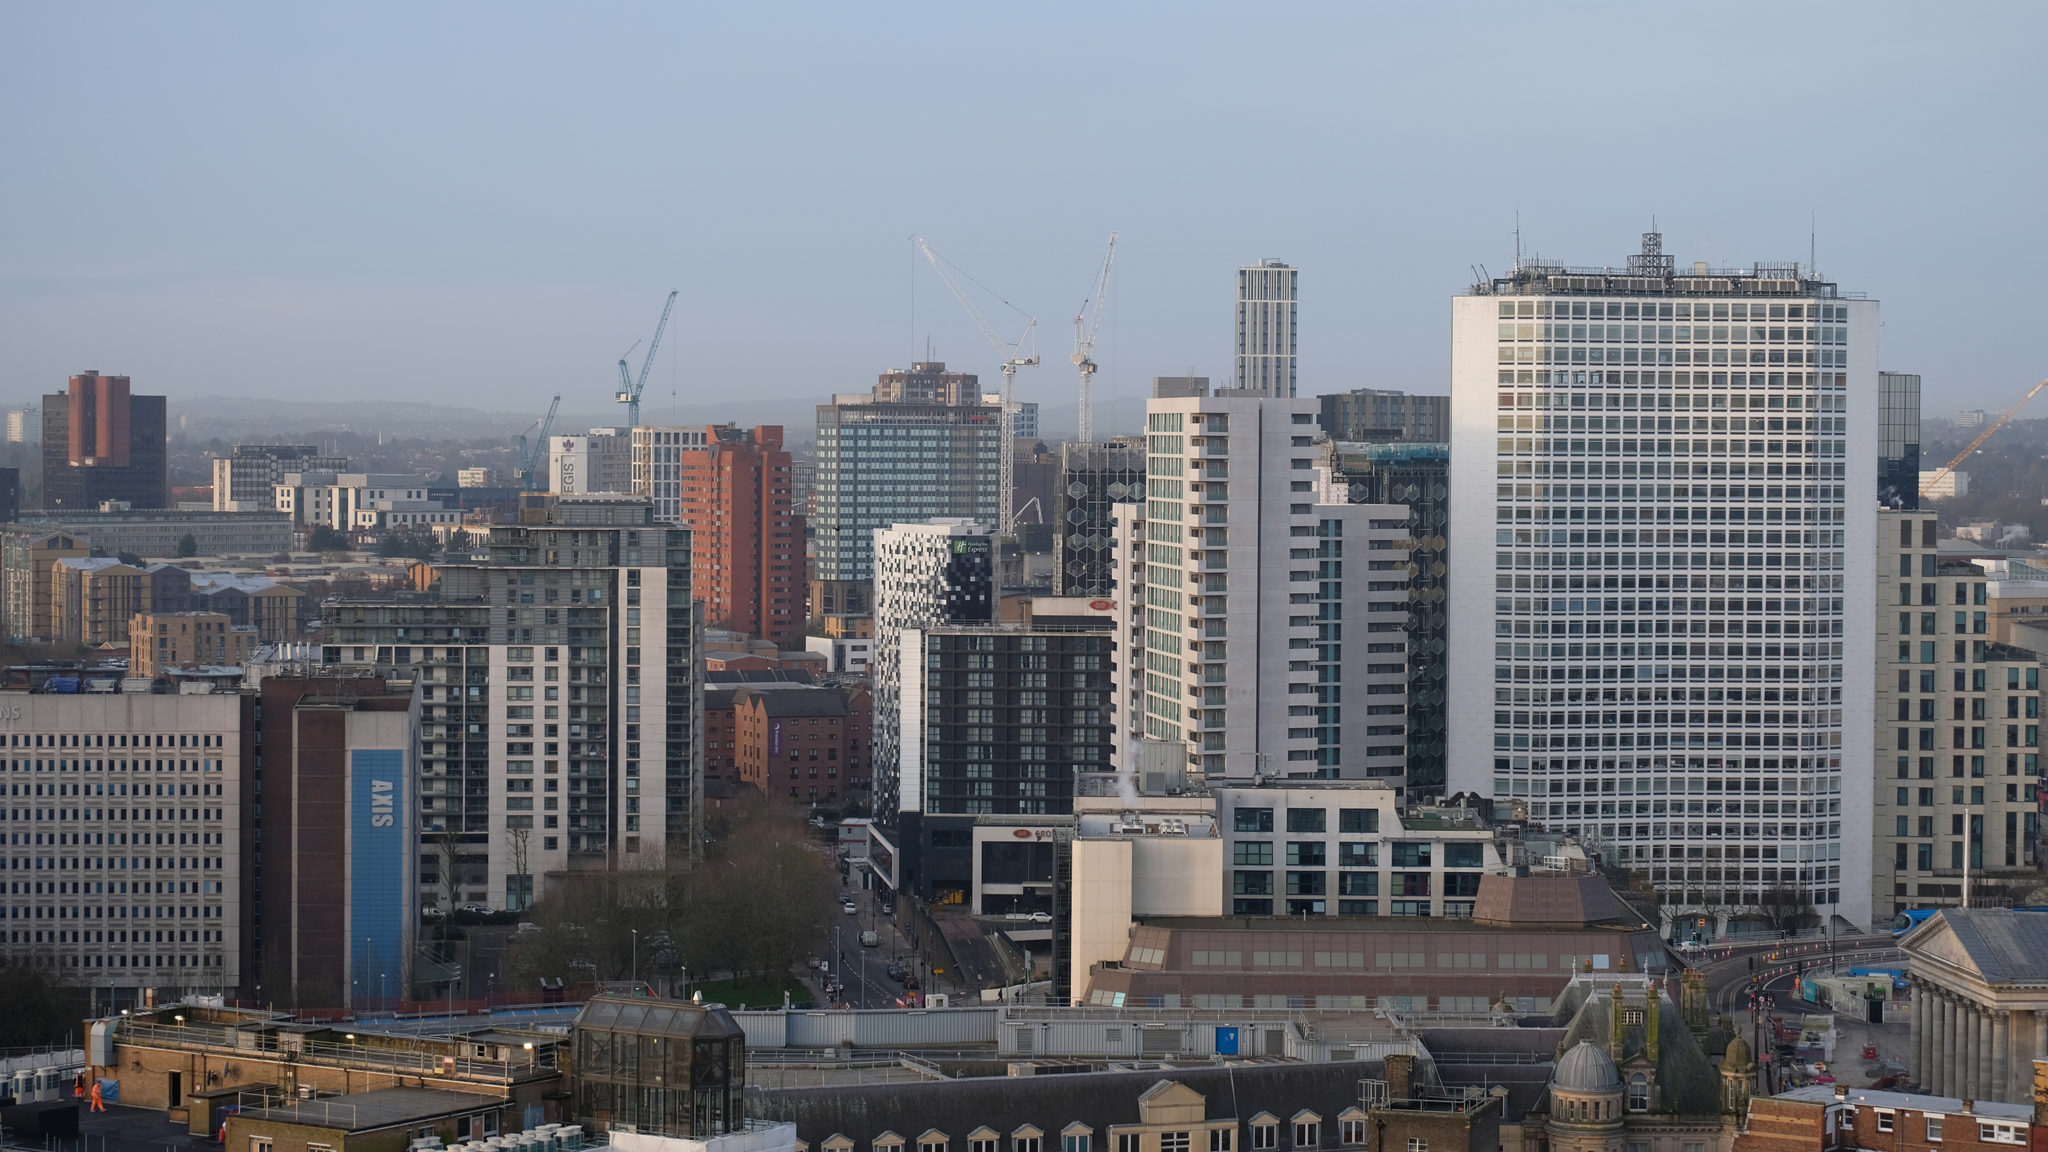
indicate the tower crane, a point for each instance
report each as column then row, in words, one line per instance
column 1935, row 480
column 630, row 386
column 532, row 452
column 1020, row 353
column 1086, row 323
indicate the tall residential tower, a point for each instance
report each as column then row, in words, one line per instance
column 1265, row 328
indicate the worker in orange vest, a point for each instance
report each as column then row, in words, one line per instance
column 98, row 1103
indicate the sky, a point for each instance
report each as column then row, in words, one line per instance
column 485, row 204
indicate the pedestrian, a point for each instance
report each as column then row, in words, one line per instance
column 99, row 1103
column 78, row 1086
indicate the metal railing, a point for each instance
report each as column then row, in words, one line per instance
column 351, row 1054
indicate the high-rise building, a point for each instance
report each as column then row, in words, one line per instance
column 996, row 722
column 1023, row 415
column 1093, row 479
column 246, row 479
column 882, row 462
column 24, row 425
column 28, row 560
column 1370, row 414
column 926, row 575
column 137, row 884
column 600, row 460
column 1179, row 387
column 1264, row 618
column 733, row 488
column 338, row 895
column 1678, row 501
column 928, row 382
column 101, row 443
column 1898, row 440
column 1265, row 328
column 1958, row 730
column 559, row 694
column 1416, row 477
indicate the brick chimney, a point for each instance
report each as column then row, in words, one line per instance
column 1400, row 1077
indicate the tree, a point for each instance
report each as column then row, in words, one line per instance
column 521, row 897
column 132, row 559
column 325, row 539
column 38, row 1005
column 1786, row 909
column 188, row 545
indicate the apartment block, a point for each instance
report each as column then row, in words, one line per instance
column 1266, row 300
column 28, row 557
column 1958, row 730
column 1093, row 478
column 561, row 706
column 734, row 490
column 1679, row 502
column 1251, row 665
column 804, row 744
column 158, row 641
column 926, row 575
column 1415, row 476
column 126, row 846
column 93, row 599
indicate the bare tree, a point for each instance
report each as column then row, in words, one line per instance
column 1786, row 909
column 516, row 840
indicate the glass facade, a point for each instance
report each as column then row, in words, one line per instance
column 659, row 1068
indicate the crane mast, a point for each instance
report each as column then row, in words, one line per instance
column 630, row 387
column 1994, row 426
column 1020, row 353
column 1087, row 322
column 531, row 452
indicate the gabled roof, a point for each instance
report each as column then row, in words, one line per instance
column 1999, row 945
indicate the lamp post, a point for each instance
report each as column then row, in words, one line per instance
column 636, row 954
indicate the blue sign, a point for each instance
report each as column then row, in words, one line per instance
column 379, row 841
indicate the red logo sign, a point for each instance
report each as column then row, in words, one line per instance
column 1022, row 833
column 1102, row 605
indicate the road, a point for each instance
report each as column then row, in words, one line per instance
column 1729, row 978
column 865, row 971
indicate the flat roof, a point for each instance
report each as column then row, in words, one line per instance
column 1945, row 1105
column 382, row 1108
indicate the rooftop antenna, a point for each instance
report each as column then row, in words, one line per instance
column 1518, row 240
column 1812, row 230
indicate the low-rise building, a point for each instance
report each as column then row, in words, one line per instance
column 160, row 531
column 164, row 640
column 27, row 554
column 93, row 599
column 1836, row 1118
column 245, row 480
column 1980, row 1001
column 803, row 744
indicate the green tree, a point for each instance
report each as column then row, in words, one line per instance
column 325, row 539
column 188, row 545
column 38, row 1005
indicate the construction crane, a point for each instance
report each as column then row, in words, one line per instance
column 1928, row 485
column 1087, row 323
column 1020, row 353
column 532, row 452
column 631, row 386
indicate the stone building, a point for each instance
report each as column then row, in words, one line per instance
column 1980, row 1001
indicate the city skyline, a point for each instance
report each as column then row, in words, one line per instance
column 458, row 228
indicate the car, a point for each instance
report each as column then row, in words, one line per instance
column 1691, row 947
column 478, row 909
column 870, row 939
column 888, row 909
column 910, row 982
column 897, row 972
column 849, row 909
column 431, row 913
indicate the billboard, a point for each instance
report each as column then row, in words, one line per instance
column 379, row 848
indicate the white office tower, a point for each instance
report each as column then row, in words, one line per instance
column 1265, row 328
column 926, row 575
column 1663, row 507
column 1264, row 626
column 600, row 460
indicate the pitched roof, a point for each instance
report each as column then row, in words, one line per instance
column 1548, row 898
column 1687, row 1083
column 2004, row 945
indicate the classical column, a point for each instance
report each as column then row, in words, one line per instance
column 1974, row 1078
column 1945, row 1063
column 1917, row 1056
column 2041, row 1034
column 2001, row 1066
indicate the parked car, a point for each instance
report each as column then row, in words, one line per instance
column 478, row 909
column 848, row 908
column 431, row 913
column 897, row 972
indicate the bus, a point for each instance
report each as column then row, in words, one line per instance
column 1910, row 919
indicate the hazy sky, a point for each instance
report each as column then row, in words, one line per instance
column 485, row 203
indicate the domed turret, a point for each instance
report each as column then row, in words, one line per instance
column 1738, row 1057
column 1586, row 1068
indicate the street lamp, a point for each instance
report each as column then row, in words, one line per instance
column 636, row 954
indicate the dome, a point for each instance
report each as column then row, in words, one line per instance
column 1586, row 1068
column 1738, row 1056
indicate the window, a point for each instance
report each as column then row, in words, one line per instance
column 1417, row 1144
column 1934, row 1127
column 259, row 1144
column 1410, row 854
column 1023, row 1144
column 1252, row 853
column 1352, row 1131
column 1254, row 820
column 1173, row 1142
column 931, row 1144
column 1265, row 1137
column 1307, row 1133
column 1219, row 1139
column 1307, row 819
column 1127, row 1142
column 2002, row 1133
column 1884, row 1120
column 981, row 1145
column 1639, row 1093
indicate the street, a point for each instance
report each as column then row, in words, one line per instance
column 862, row 971
column 1776, row 965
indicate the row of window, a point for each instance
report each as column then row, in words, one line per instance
column 1671, row 310
column 1264, row 1129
